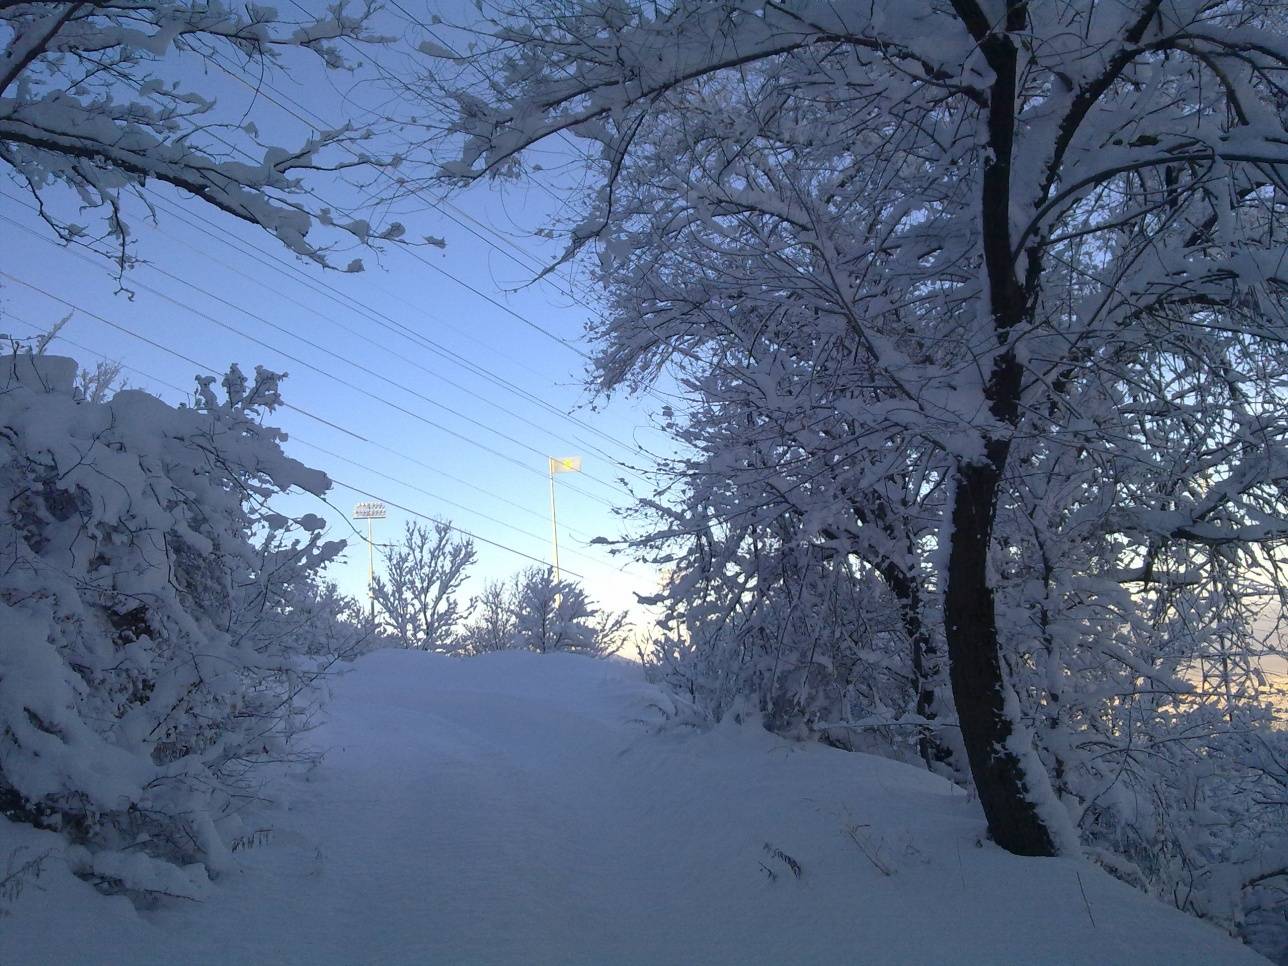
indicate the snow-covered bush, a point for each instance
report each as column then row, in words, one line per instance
column 555, row 615
column 491, row 628
column 159, row 617
column 799, row 578
column 797, row 636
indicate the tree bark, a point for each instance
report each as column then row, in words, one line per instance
column 1003, row 772
column 976, row 671
column 937, row 754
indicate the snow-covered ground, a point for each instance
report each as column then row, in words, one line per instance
column 518, row 808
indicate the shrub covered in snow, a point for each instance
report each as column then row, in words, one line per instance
column 556, row 615
column 817, row 652
column 535, row 612
column 160, row 618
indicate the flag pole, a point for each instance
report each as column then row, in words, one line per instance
column 554, row 521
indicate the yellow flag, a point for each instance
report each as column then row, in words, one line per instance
column 565, row 464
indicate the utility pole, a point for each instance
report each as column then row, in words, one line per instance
column 370, row 511
column 558, row 464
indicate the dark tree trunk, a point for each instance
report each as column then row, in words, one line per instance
column 937, row 755
column 978, row 677
column 975, row 668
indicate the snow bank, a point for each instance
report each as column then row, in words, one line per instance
column 523, row 808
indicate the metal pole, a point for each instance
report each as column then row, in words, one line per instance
column 554, row 523
column 371, row 511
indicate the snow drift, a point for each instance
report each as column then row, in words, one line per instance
column 523, row 808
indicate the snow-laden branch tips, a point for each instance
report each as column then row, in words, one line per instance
column 98, row 101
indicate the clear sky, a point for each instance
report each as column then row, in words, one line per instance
column 419, row 391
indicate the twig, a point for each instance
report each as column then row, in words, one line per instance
column 1085, row 901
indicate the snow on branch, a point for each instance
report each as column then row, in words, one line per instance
column 99, row 100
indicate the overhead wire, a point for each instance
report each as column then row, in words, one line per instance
column 650, row 390
column 36, row 329
column 341, row 380
column 329, row 375
column 411, row 335
column 526, row 259
column 634, row 449
column 417, row 393
column 205, row 367
column 389, row 477
column 317, row 121
column 473, row 536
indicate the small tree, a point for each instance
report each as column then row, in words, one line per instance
column 93, row 385
column 493, row 627
column 555, row 615
column 418, row 596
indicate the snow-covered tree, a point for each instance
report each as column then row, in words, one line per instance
column 809, row 638
column 555, row 615
column 99, row 99
column 419, row 596
column 792, row 560
column 1018, row 251
column 160, row 637
column 491, row 628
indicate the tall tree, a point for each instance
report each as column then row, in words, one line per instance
column 982, row 229
column 491, row 628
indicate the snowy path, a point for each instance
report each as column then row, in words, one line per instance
column 508, row 809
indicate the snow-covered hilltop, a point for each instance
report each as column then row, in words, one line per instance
column 522, row 808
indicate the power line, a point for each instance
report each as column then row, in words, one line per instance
column 205, row 367
column 316, row 121
column 441, row 498
column 326, row 422
column 416, row 513
column 297, row 439
column 562, row 135
column 327, row 374
column 377, row 375
column 421, row 257
column 380, row 399
column 320, row 122
column 439, row 204
column 393, row 479
column 421, row 341
column 414, row 251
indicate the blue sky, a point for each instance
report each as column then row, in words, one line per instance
column 457, row 395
